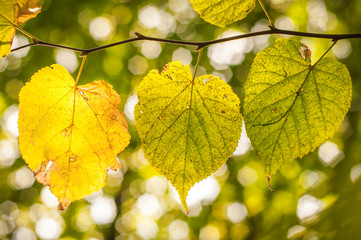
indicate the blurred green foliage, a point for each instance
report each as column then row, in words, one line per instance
column 317, row 197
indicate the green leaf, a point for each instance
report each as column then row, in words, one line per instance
column 188, row 128
column 291, row 106
column 223, row 12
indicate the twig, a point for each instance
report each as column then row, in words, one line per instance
column 199, row 45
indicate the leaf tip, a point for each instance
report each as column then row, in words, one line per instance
column 184, row 204
column 63, row 204
column 268, row 177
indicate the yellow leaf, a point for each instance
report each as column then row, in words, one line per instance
column 70, row 135
column 223, row 12
column 13, row 13
column 189, row 128
column 25, row 10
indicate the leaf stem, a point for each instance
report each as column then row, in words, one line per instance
column 197, row 64
column 333, row 44
column 35, row 39
column 272, row 26
column 80, row 69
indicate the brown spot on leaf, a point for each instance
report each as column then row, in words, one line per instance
column 66, row 132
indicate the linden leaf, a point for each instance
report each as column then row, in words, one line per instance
column 70, row 135
column 223, row 12
column 25, row 10
column 188, row 128
column 291, row 106
column 13, row 13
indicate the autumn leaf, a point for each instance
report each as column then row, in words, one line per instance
column 70, row 135
column 189, row 128
column 12, row 14
column 292, row 106
column 25, row 10
column 223, row 12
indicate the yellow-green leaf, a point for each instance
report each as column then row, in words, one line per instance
column 223, row 12
column 188, row 128
column 291, row 106
column 13, row 13
column 70, row 135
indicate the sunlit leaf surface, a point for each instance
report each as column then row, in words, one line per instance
column 223, row 12
column 70, row 135
column 292, row 106
column 12, row 13
column 188, row 128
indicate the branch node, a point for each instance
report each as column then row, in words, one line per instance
column 272, row 28
column 199, row 48
column 139, row 35
column 83, row 54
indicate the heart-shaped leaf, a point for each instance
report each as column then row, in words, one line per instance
column 70, row 135
column 292, row 106
column 189, row 128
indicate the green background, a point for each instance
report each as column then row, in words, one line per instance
column 313, row 199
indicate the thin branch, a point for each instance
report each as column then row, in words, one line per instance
column 24, row 46
column 334, row 37
column 170, row 41
column 141, row 37
column 46, row 44
column 199, row 45
column 91, row 50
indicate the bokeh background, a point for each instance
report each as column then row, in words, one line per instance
column 317, row 197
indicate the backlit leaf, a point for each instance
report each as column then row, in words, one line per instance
column 70, row 135
column 188, row 128
column 25, row 10
column 291, row 106
column 13, row 13
column 223, row 12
